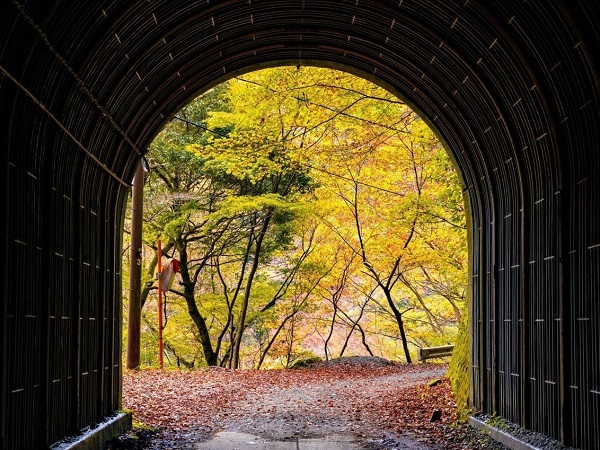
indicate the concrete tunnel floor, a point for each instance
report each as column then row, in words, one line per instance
column 231, row 440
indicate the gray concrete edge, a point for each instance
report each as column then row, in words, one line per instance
column 94, row 439
column 498, row 435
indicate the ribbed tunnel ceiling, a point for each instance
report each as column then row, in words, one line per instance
column 456, row 61
column 510, row 86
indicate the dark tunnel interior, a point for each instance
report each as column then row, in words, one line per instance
column 511, row 87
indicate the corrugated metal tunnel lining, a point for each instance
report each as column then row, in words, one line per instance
column 511, row 87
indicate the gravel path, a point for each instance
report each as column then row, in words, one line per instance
column 319, row 409
column 379, row 405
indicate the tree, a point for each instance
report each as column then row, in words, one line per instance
column 399, row 227
column 240, row 173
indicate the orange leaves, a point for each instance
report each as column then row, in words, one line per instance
column 357, row 395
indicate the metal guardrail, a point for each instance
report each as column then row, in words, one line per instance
column 434, row 352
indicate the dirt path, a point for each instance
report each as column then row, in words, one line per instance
column 319, row 408
column 378, row 406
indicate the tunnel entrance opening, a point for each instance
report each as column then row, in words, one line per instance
column 369, row 220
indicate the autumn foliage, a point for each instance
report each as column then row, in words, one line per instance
column 314, row 214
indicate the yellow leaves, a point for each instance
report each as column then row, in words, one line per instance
column 245, row 155
column 358, row 164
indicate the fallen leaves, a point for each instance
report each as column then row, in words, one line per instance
column 368, row 400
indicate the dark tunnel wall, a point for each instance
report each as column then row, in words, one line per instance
column 510, row 86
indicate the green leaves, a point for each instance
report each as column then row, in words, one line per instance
column 290, row 169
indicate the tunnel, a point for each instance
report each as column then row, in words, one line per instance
column 510, row 87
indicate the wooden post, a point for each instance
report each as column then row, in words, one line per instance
column 160, row 307
column 135, row 271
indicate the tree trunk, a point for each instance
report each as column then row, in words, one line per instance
column 241, row 325
column 290, row 344
column 135, row 271
column 272, row 340
column 364, row 339
column 296, row 309
column 355, row 325
column 398, row 316
column 331, row 328
column 188, row 294
column 209, row 354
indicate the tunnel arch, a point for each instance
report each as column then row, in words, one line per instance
column 511, row 88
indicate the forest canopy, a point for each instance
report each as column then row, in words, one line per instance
column 313, row 214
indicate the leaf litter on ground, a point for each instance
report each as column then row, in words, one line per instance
column 384, row 404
